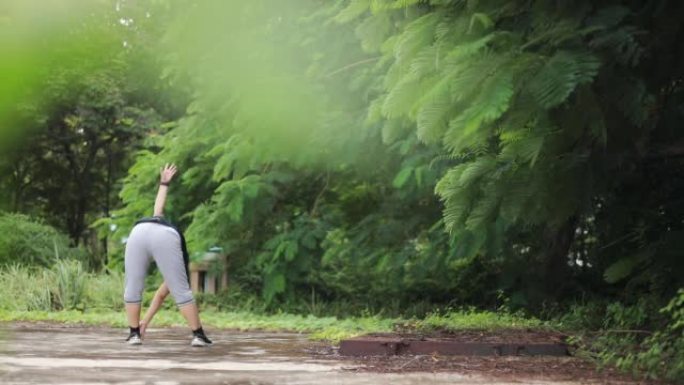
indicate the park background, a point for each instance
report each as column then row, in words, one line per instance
column 366, row 165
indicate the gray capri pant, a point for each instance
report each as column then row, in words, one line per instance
column 163, row 243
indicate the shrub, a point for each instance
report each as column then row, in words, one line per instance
column 105, row 290
column 662, row 354
column 69, row 284
column 640, row 338
column 28, row 288
column 25, row 241
column 24, row 290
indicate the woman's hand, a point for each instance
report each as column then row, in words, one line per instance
column 166, row 173
column 143, row 329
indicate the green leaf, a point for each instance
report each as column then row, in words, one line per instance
column 355, row 9
column 624, row 267
column 235, row 208
column 401, row 98
column 476, row 170
column 483, row 19
column 291, row 251
column 561, row 74
column 432, row 120
column 402, row 177
column 418, row 34
column 274, row 283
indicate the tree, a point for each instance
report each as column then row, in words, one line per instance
column 96, row 95
column 304, row 147
column 543, row 107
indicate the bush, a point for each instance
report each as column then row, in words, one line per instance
column 25, row 241
column 640, row 338
column 662, row 354
column 66, row 286
column 105, row 290
column 69, row 285
column 24, row 290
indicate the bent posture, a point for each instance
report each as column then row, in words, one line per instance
column 154, row 238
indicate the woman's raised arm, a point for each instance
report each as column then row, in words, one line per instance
column 166, row 174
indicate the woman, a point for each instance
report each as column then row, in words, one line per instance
column 154, row 238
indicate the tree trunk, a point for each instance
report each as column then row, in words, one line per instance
column 107, row 202
column 557, row 242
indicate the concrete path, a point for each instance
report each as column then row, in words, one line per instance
column 37, row 354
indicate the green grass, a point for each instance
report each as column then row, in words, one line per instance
column 67, row 294
column 474, row 319
column 319, row 328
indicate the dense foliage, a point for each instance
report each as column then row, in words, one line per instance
column 543, row 128
column 86, row 103
column 31, row 243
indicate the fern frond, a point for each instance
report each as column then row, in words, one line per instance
column 623, row 43
column 492, row 101
column 495, row 97
column 562, row 73
column 634, row 101
column 373, row 31
column 355, row 9
column 456, row 141
column 393, row 130
column 483, row 19
column 432, row 120
column 467, row 49
column 383, row 5
column 469, row 75
column 624, row 267
column 514, row 202
column 456, row 201
column 485, row 209
column 450, row 181
column 401, row 98
column 419, row 33
column 608, row 17
column 374, row 112
column 521, row 145
column 425, row 62
column 475, row 171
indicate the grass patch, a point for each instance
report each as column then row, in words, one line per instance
column 473, row 319
column 320, row 328
column 67, row 294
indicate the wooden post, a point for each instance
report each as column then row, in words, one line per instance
column 211, row 285
column 224, row 280
column 195, row 285
column 202, row 281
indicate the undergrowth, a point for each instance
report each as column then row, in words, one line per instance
column 639, row 338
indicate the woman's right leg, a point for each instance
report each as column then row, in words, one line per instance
column 191, row 314
column 136, row 263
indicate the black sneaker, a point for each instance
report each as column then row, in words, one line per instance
column 199, row 340
column 134, row 339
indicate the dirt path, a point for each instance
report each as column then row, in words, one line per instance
column 51, row 354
